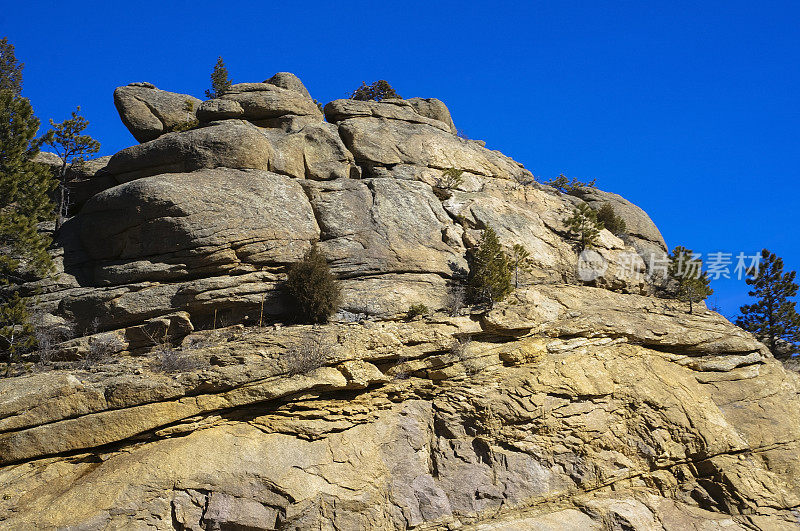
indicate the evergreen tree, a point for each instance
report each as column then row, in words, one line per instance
column 71, row 146
column 773, row 319
column 220, row 83
column 585, row 225
column 16, row 331
column 10, row 68
column 24, row 202
column 519, row 261
column 24, row 192
column 687, row 270
column 380, row 90
column 490, row 270
column 610, row 220
column 563, row 185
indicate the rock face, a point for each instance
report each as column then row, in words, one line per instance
column 579, row 402
column 397, row 429
column 433, row 108
column 149, row 112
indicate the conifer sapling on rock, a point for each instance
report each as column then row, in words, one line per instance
column 220, row 83
column 490, row 270
column 686, row 268
column 585, row 225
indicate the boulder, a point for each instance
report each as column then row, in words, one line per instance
column 149, row 112
column 209, row 221
column 314, row 151
column 394, row 109
column 231, row 144
column 433, row 108
column 288, row 81
column 262, row 102
column 219, row 109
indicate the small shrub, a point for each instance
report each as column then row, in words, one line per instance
column 584, row 224
column 564, row 185
column 610, row 220
column 188, row 125
column 451, row 178
column 524, row 179
column 456, row 300
column 416, row 310
column 310, row 354
column 379, row 90
column 489, row 279
column 102, row 347
column 171, row 360
column 319, row 105
column 188, row 106
column 313, row 290
column 459, row 347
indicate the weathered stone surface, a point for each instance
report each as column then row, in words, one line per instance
column 433, row 108
column 585, row 434
column 380, row 226
column 385, row 142
column 314, row 151
column 264, row 101
column 395, row 109
column 219, row 109
column 592, row 312
column 148, row 112
column 230, row 144
column 641, row 232
column 534, row 219
column 288, row 81
column 209, row 221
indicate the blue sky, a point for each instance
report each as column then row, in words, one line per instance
column 688, row 109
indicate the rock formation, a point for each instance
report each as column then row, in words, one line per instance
column 185, row 401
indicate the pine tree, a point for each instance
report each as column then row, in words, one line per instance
column 71, row 147
column 16, row 331
column 24, row 202
column 220, row 83
column 519, row 261
column 773, row 319
column 563, row 185
column 687, row 270
column 610, row 220
column 379, row 90
column 10, row 68
column 585, row 225
column 490, row 270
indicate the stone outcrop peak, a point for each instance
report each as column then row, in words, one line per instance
column 576, row 403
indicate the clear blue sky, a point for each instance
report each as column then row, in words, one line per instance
column 688, row 109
